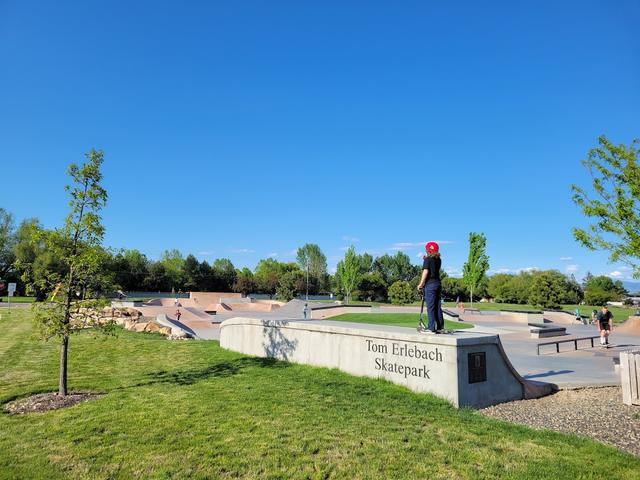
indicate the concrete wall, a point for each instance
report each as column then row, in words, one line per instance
column 434, row 364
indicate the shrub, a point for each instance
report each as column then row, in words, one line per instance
column 400, row 293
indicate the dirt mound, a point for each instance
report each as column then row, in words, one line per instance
column 43, row 402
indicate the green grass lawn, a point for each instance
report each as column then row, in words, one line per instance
column 620, row 314
column 395, row 319
column 191, row 409
column 5, row 299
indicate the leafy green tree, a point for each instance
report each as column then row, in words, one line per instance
column 245, row 283
column 613, row 205
column 400, row 293
column 314, row 263
column 546, row 290
column 173, row 264
column 598, row 290
column 474, row 270
column 453, row 288
column 7, row 242
column 395, row 268
column 191, row 274
column 131, row 268
column 366, row 263
column 500, row 288
column 77, row 245
column 157, row 279
column 348, row 273
column 290, row 283
column 372, row 287
column 33, row 260
column 224, row 273
column 267, row 275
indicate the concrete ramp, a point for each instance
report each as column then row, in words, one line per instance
column 198, row 313
column 630, row 327
column 467, row 369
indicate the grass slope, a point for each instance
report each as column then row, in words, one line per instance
column 190, row 409
column 395, row 319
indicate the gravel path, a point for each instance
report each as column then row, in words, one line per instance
column 580, row 412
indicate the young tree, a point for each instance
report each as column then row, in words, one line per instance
column 477, row 263
column 348, row 272
column 314, row 264
column 173, row 264
column 77, row 246
column 614, row 203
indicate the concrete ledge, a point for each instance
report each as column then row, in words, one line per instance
column 467, row 369
column 540, row 330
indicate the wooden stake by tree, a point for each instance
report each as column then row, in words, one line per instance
column 77, row 246
column 477, row 263
column 614, row 203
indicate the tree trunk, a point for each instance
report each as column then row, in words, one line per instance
column 471, row 297
column 62, row 384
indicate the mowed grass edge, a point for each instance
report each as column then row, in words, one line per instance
column 409, row 320
column 190, row 408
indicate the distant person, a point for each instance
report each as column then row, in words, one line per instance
column 578, row 316
column 305, row 311
column 178, row 314
column 432, row 288
column 594, row 315
column 604, row 319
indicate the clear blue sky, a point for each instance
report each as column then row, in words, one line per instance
column 245, row 129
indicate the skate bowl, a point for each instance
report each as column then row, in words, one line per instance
column 208, row 298
column 467, row 369
column 248, row 306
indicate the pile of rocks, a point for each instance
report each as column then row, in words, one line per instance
column 126, row 317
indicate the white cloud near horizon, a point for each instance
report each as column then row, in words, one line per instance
column 566, row 259
column 572, row 268
column 517, row 270
column 615, row 274
column 205, row 253
column 349, row 238
column 241, row 250
column 401, row 246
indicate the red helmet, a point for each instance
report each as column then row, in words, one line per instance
column 432, row 247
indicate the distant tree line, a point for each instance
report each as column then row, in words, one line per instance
column 27, row 259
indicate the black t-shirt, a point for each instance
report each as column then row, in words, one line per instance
column 604, row 317
column 433, row 265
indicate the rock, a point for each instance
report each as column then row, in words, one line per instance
column 139, row 327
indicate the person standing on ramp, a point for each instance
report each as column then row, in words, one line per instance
column 432, row 288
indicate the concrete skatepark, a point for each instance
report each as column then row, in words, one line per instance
column 584, row 367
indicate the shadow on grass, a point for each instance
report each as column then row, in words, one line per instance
column 217, row 370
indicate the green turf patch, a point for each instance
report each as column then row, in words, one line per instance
column 191, row 409
column 395, row 319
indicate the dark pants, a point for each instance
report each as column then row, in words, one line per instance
column 433, row 300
